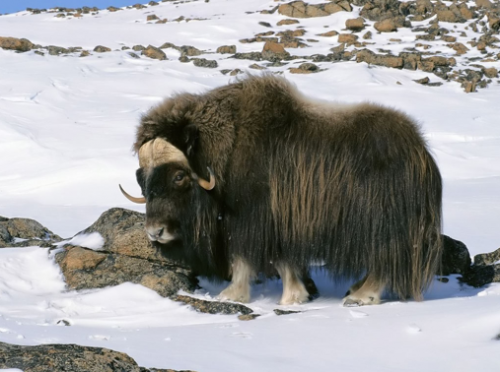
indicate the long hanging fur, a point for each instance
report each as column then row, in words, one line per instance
column 351, row 185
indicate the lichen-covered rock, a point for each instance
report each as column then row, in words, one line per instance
column 22, row 232
column 154, row 52
column 69, row 358
column 203, row 62
column 227, row 49
column 305, row 68
column 274, row 51
column 300, row 9
column 213, row 307
column 356, row 24
column 12, row 43
column 487, row 258
column 126, row 255
column 102, row 49
column 366, row 55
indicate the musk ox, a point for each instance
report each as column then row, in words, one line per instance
column 253, row 177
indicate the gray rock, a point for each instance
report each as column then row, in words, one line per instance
column 102, row 49
column 213, row 307
column 285, row 312
column 480, row 275
column 55, row 50
column 202, row 62
column 69, row 358
column 487, row 258
column 138, row 48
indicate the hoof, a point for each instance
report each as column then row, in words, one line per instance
column 351, row 302
column 229, row 294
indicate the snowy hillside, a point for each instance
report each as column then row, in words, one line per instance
column 67, row 121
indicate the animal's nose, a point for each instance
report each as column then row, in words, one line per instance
column 155, row 232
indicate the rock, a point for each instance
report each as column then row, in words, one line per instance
column 151, row 17
column 300, row 9
column 329, row 33
column 84, row 53
column 113, row 9
column 370, row 57
column 285, row 22
column 188, row 50
column 138, row 48
column 356, row 24
column 102, row 49
column 487, row 258
column 479, row 275
column 349, row 39
column 227, row 49
column 153, row 3
column 494, row 22
column 456, row 257
column 133, row 55
column 30, row 231
column 447, row 16
column 154, row 52
column 253, row 56
column 423, row 81
column 274, row 51
column 367, row 35
column 484, row 4
column 265, row 24
column 289, row 38
column 126, row 256
column 305, row 68
column 256, row 67
column 458, row 47
column 246, row 317
column 67, row 357
column 203, row 62
column 491, row 72
column 214, row 307
column 235, row 72
column 285, row 312
column 20, row 45
column 387, row 25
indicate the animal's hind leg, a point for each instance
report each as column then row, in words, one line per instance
column 239, row 289
column 365, row 292
column 294, row 290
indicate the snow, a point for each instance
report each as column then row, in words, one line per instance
column 93, row 241
column 66, row 130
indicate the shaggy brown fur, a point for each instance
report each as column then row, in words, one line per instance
column 353, row 186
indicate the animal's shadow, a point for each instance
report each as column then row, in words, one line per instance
column 333, row 290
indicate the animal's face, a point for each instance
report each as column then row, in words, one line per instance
column 167, row 183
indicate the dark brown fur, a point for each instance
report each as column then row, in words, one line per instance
column 352, row 186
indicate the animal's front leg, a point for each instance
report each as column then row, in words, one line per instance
column 239, row 289
column 294, row 290
column 365, row 292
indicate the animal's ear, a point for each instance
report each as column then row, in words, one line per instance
column 190, row 138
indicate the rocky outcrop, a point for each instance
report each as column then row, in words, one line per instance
column 70, row 357
column 126, row 255
column 154, row 52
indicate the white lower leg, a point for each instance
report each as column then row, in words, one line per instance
column 366, row 292
column 294, row 290
column 239, row 289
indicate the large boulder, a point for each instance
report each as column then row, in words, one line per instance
column 114, row 250
column 456, row 257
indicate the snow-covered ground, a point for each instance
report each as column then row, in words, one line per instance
column 66, row 130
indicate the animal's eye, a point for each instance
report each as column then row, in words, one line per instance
column 179, row 177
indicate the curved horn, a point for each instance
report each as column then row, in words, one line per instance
column 205, row 184
column 131, row 198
